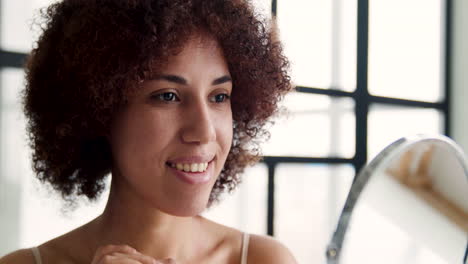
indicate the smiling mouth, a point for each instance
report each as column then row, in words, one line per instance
column 189, row 167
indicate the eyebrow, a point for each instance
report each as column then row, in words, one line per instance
column 181, row 80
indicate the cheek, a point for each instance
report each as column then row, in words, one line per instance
column 226, row 131
column 136, row 138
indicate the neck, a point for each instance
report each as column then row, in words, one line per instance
column 129, row 219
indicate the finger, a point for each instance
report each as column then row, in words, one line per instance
column 167, row 261
column 143, row 259
column 108, row 249
column 110, row 259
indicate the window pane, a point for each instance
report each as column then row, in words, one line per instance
column 263, row 7
column 309, row 199
column 246, row 209
column 345, row 43
column 388, row 124
column 405, row 50
column 319, row 38
column 16, row 21
column 13, row 158
column 314, row 125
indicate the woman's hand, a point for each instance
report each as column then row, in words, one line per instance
column 123, row 254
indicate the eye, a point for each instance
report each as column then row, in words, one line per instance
column 219, row 98
column 166, row 97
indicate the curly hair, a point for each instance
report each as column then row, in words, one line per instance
column 93, row 53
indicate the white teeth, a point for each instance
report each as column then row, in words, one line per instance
column 192, row 167
column 201, row 167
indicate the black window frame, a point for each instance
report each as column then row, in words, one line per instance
column 362, row 101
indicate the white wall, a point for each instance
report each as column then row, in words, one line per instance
column 459, row 96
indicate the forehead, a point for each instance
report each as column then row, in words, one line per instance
column 200, row 49
column 199, row 58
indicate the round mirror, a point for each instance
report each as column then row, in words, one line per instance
column 408, row 205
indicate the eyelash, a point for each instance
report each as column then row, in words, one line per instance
column 175, row 98
column 226, row 97
column 160, row 96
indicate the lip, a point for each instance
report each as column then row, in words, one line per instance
column 194, row 178
column 193, row 159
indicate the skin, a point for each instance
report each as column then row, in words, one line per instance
column 152, row 216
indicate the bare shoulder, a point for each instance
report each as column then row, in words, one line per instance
column 261, row 249
column 265, row 249
column 22, row 256
column 52, row 251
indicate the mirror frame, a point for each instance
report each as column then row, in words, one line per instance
column 335, row 246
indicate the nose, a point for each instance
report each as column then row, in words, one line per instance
column 199, row 124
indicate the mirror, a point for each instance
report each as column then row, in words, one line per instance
column 408, row 205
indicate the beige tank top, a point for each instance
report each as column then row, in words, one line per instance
column 37, row 255
column 245, row 249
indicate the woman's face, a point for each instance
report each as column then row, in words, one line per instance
column 171, row 141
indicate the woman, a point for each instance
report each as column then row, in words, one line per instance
column 170, row 98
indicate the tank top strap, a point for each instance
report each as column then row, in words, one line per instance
column 37, row 255
column 245, row 247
